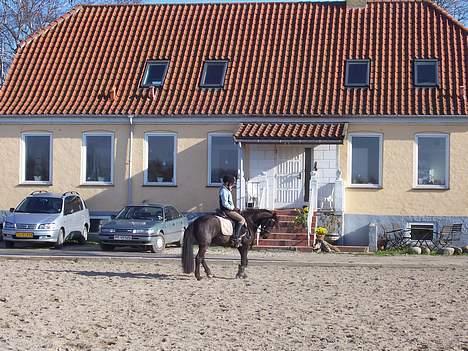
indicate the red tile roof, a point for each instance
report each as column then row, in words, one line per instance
column 285, row 59
column 290, row 132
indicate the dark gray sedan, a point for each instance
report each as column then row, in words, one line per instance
column 151, row 226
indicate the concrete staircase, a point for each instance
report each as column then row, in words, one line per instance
column 290, row 236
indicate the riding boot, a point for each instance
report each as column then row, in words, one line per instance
column 236, row 239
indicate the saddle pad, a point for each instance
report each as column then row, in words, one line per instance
column 227, row 227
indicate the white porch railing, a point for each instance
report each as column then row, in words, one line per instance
column 258, row 192
column 328, row 196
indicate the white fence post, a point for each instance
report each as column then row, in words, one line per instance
column 339, row 199
column 313, row 199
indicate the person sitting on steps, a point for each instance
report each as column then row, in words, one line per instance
column 226, row 205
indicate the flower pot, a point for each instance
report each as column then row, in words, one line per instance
column 159, row 179
column 331, row 238
column 320, row 237
column 37, row 178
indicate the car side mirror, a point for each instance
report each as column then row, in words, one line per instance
column 12, row 209
column 113, row 216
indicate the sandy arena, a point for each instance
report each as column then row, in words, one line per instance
column 325, row 302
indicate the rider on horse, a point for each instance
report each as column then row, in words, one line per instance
column 226, row 206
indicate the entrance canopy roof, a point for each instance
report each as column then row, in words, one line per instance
column 291, row 133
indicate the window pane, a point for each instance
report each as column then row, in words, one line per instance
column 37, row 157
column 98, row 158
column 426, row 73
column 358, row 73
column 432, row 162
column 161, row 159
column 365, row 160
column 214, row 73
column 155, row 74
column 223, row 158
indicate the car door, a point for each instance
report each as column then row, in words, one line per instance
column 171, row 225
column 80, row 214
column 178, row 223
column 69, row 219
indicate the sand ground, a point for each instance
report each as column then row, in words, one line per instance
column 315, row 302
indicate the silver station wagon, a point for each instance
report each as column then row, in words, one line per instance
column 147, row 225
column 44, row 217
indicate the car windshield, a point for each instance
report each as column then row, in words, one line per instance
column 40, row 205
column 141, row 212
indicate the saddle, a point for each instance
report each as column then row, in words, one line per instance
column 220, row 213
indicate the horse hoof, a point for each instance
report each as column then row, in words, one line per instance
column 199, row 278
column 238, row 276
column 244, row 276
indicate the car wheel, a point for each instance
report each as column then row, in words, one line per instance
column 107, row 247
column 9, row 244
column 60, row 239
column 84, row 236
column 158, row 245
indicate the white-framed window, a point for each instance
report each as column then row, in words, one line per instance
column 97, row 158
column 160, row 158
column 223, row 157
column 214, row 72
column 431, row 156
column 365, row 160
column 155, row 73
column 36, row 158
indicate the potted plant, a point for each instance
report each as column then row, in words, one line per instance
column 301, row 216
column 320, row 233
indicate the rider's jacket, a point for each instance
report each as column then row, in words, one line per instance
column 225, row 199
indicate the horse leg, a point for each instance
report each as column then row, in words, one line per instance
column 198, row 260
column 241, row 271
column 202, row 253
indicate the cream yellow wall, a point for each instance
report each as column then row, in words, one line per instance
column 191, row 192
column 66, row 166
column 397, row 195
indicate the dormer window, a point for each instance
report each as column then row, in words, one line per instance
column 357, row 73
column 213, row 74
column 155, row 73
column 426, row 73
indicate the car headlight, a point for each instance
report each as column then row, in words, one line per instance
column 9, row 225
column 47, row 226
column 143, row 231
column 107, row 230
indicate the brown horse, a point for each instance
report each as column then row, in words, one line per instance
column 206, row 230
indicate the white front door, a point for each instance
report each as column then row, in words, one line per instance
column 289, row 177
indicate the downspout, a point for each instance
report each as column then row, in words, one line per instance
column 130, row 161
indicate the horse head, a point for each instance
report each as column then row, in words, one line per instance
column 264, row 220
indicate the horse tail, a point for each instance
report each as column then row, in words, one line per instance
column 187, row 250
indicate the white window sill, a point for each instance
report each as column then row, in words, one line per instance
column 159, row 184
column 97, row 184
column 33, row 182
column 364, row 186
column 430, row 187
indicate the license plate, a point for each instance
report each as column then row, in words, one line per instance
column 24, row 235
column 122, row 237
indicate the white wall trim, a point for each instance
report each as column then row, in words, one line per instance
column 229, row 119
column 146, row 159
column 350, row 160
column 446, row 136
column 22, row 172
column 84, row 160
